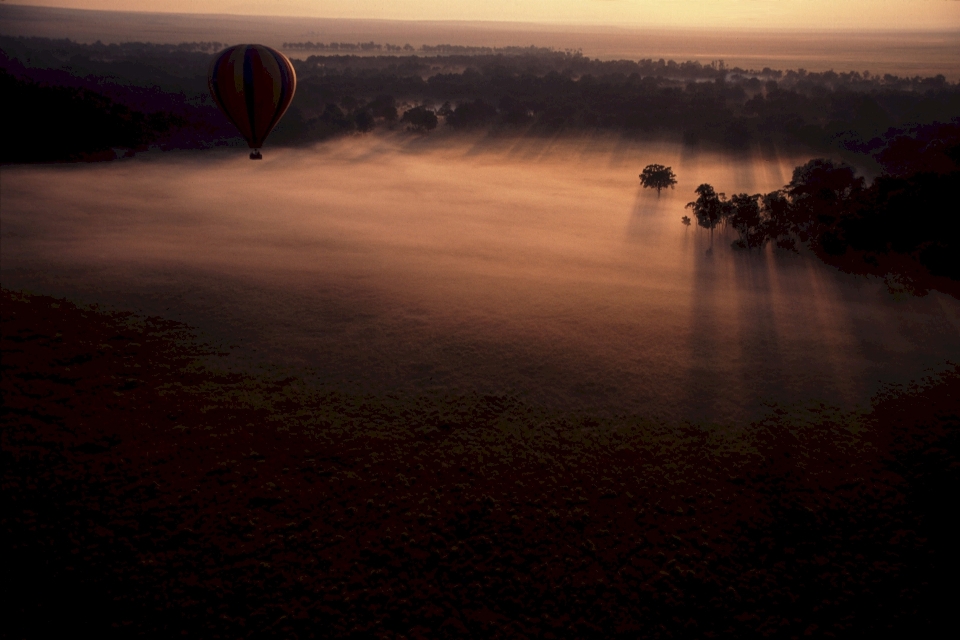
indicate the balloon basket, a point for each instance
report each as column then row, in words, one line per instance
column 256, row 155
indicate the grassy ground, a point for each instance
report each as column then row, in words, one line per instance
column 149, row 493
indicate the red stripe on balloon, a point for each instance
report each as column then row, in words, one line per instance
column 266, row 80
column 230, row 85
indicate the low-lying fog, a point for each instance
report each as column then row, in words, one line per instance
column 528, row 267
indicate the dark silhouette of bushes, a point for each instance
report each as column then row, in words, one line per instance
column 384, row 107
column 365, row 121
column 747, row 218
column 472, row 114
column 902, row 223
column 912, row 215
column 420, row 119
column 334, row 120
column 65, row 123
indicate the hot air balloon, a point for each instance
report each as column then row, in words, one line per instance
column 253, row 85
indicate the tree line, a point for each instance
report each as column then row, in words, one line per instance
column 903, row 222
column 445, row 49
column 545, row 95
column 345, row 46
column 527, row 91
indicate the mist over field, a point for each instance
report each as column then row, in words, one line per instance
column 528, row 267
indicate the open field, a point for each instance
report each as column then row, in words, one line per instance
column 150, row 492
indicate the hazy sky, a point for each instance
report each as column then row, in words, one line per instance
column 842, row 14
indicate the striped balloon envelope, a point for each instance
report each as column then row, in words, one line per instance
column 253, row 85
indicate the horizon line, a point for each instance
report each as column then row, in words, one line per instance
column 500, row 23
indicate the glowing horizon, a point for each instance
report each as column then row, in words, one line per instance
column 894, row 15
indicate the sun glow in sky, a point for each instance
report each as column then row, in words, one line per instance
column 811, row 14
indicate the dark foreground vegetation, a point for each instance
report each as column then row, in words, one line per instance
column 147, row 493
column 510, row 91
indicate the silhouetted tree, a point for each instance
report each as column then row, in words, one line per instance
column 335, row 118
column 747, row 217
column 513, row 112
column 472, row 114
column 778, row 211
column 364, row 120
column 934, row 149
column 420, row 119
column 710, row 208
column 384, row 107
column 657, row 176
column 822, row 193
column 824, row 180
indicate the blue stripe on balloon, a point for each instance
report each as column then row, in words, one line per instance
column 215, row 84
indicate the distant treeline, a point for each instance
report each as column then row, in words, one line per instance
column 424, row 48
column 902, row 225
column 345, row 46
column 126, row 48
column 512, row 91
column 699, row 104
